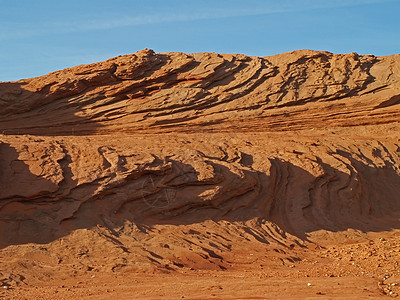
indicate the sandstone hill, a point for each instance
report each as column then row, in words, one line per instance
column 183, row 163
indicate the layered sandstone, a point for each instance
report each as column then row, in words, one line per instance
column 172, row 161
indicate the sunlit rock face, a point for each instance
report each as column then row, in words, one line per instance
column 209, row 154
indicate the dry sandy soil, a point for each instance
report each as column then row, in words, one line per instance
column 203, row 176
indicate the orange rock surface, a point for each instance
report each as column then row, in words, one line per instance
column 202, row 176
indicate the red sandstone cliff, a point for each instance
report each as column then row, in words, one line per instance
column 148, row 155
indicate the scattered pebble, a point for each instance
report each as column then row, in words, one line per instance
column 309, row 284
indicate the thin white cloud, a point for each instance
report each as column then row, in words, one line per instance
column 226, row 12
column 17, row 31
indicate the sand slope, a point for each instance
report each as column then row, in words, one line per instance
column 203, row 165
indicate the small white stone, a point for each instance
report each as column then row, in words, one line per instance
column 309, row 284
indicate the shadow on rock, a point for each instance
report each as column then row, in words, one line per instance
column 169, row 192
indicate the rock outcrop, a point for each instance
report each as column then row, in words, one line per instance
column 184, row 92
column 200, row 154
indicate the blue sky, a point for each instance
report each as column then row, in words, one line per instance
column 41, row 36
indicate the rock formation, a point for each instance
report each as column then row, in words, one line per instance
column 170, row 161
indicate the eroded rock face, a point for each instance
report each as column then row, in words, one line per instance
column 181, row 149
column 182, row 92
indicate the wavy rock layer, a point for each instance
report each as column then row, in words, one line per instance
column 171, row 161
column 184, row 92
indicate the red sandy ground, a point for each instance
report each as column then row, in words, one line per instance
column 355, row 271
